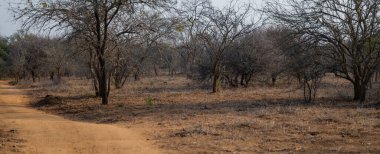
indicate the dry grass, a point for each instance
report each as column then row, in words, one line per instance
column 183, row 117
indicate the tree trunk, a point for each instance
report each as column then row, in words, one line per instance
column 51, row 76
column 188, row 70
column 33, row 76
column 216, row 83
column 360, row 91
column 169, row 71
column 188, row 65
column 120, row 79
column 118, row 83
column 103, row 81
column 247, row 79
column 242, row 78
column 103, row 88
column 17, row 77
column 155, row 70
column 95, row 83
column 137, row 75
column 59, row 74
column 274, row 79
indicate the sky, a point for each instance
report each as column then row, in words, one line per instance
column 8, row 26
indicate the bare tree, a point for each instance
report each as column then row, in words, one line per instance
column 305, row 62
column 224, row 27
column 192, row 23
column 16, row 61
column 98, row 21
column 350, row 28
column 277, row 41
column 59, row 55
column 154, row 30
column 27, row 55
column 124, row 61
column 170, row 58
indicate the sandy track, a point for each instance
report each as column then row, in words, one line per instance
column 46, row 133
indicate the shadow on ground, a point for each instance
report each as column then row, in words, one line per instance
column 87, row 108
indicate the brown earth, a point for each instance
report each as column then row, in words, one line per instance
column 26, row 130
column 183, row 117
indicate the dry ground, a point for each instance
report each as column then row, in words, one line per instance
column 10, row 141
column 26, row 130
column 181, row 116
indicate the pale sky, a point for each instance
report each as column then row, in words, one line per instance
column 8, row 26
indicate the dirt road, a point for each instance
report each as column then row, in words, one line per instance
column 51, row 134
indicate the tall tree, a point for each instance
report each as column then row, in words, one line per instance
column 97, row 21
column 192, row 23
column 154, row 30
column 350, row 28
column 59, row 54
column 25, row 55
column 223, row 28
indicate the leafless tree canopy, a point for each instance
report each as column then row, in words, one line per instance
column 115, row 41
column 97, row 22
column 348, row 29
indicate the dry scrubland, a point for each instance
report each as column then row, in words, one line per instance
column 182, row 116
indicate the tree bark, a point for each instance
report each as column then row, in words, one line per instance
column 137, row 75
column 360, row 91
column 51, row 76
column 155, row 70
column 17, row 77
column 33, row 76
column 95, row 84
column 103, row 90
column 216, row 83
column 103, row 82
column 274, row 79
column 59, row 74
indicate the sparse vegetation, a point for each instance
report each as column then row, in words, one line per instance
column 149, row 102
column 295, row 76
column 255, row 119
